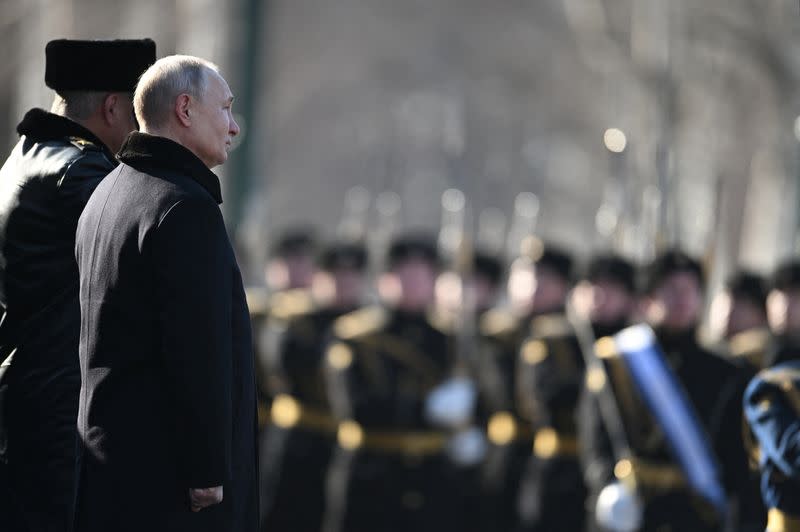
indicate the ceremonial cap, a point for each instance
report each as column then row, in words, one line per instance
column 341, row 255
column 411, row 246
column 667, row 263
column 611, row 267
column 749, row 286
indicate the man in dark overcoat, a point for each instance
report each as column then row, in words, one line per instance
column 44, row 184
column 167, row 417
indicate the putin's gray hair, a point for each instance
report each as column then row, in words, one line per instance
column 164, row 81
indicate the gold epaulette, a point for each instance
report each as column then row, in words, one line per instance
column 82, row 143
column 751, row 345
column 360, row 322
column 290, row 304
column 443, row 320
column 498, row 322
column 257, row 298
column 553, row 325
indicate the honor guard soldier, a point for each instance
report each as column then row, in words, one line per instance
column 551, row 375
column 772, row 411
column 539, row 280
column 385, row 363
column 738, row 320
column 288, row 275
column 484, row 281
column 45, row 183
column 301, row 432
column 783, row 311
column 635, row 460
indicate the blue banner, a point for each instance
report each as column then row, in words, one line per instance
column 666, row 400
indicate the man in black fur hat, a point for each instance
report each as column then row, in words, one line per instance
column 61, row 157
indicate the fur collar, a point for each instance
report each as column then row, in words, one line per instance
column 152, row 155
column 39, row 125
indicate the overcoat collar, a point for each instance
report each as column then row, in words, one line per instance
column 39, row 125
column 152, row 154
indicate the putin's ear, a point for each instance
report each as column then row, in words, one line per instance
column 183, row 105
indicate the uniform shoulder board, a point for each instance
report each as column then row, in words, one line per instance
column 83, row 144
column 360, row 322
column 290, row 304
column 443, row 321
column 257, row 298
column 551, row 326
column 749, row 343
column 498, row 322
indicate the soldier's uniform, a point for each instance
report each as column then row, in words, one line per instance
column 280, row 297
column 551, row 375
column 44, row 186
column 772, row 411
column 505, row 403
column 390, row 471
column 714, row 388
column 487, row 270
column 300, row 431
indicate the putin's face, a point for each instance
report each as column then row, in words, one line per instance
column 213, row 125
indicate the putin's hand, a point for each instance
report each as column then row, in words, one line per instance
column 204, row 497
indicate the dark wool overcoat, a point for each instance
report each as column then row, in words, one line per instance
column 168, row 389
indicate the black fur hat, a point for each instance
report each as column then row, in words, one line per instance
column 113, row 65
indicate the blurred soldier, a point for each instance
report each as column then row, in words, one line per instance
column 484, row 280
column 288, row 276
column 772, row 411
column 551, row 372
column 390, row 471
column 291, row 263
column 738, row 318
column 783, row 311
column 672, row 302
column 44, row 185
column 538, row 284
column 299, row 439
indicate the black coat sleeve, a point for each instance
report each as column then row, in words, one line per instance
column 193, row 291
column 79, row 181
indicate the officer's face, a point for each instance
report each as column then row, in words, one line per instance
column 213, row 125
column 349, row 284
column 603, row 301
column 550, row 290
column 783, row 311
column 410, row 285
column 290, row 272
column 676, row 302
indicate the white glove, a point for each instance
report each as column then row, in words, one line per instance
column 468, row 447
column 451, row 403
column 618, row 508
